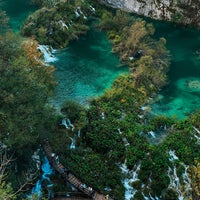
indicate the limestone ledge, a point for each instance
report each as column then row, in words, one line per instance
column 170, row 10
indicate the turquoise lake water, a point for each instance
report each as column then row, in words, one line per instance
column 87, row 67
column 17, row 11
column 179, row 98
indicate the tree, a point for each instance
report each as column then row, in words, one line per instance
column 25, row 116
column 195, row 174
column 146, row 74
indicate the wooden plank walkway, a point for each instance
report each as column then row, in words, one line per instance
column 70, row 177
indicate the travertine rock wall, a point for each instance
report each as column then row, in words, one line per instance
column 180, row 11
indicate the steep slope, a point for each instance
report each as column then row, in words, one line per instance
column 179, row 11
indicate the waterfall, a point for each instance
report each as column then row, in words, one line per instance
column 197, row 136
column 36, row 191
column 47, row 53
column 77, row 13
column 185, row 189
column 67, row 124
column 62, row 24
column 70, row 124
column 119, row 131
column 64, row 123
column 172, row 174
column 173, row 157
column 187, row 181
column 102, row 115
column 126, row 143
column 46, row 172
column 152, row 134
column 129, row 190
column 79, row 133
column 92, row 9
column 72, row 145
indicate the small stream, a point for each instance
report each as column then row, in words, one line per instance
column 47, row 170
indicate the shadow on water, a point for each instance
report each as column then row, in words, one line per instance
column 17, row 11
column 177, row 98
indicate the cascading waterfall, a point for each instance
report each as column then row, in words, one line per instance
column 102, row 115
column 47, row 53
column 46, row 172
column 70, row 124
column 152, row 134
column 36, row 191
column 64, row 123
column 46, row 169
column 79, row 133
column 119, row 131
column 67, row 123
column 197, row 135
column 185, row 189
column 129, row 190
column 72, row 145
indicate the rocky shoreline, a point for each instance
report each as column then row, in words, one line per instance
column 183, row 12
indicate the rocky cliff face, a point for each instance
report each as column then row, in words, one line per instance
column 179, row 11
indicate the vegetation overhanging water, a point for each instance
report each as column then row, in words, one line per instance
column 193, row 85
column 86, row 68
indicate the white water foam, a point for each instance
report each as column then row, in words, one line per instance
column 133, row 174
column 72, row 145
column 36, row 191
column 48, row 55
column 185, row 189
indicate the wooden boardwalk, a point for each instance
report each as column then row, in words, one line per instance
column 70, row 177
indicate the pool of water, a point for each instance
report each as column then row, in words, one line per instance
column 86, row 68
column 17, row 11
column 182, row 95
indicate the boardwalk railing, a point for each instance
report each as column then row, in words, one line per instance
column 70, row 177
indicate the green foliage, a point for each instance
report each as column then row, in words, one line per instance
column 6, row 191
column 112, row 130
column 25, row 116
column 148, row 59
column 170, row 194
column 72, row 110
column 57, row 23
column 3, row 22
column 94, row 170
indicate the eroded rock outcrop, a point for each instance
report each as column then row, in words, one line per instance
column 179, row 11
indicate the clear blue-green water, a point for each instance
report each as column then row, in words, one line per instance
column 17, row 11
column 179, row 98
column 87, row 67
